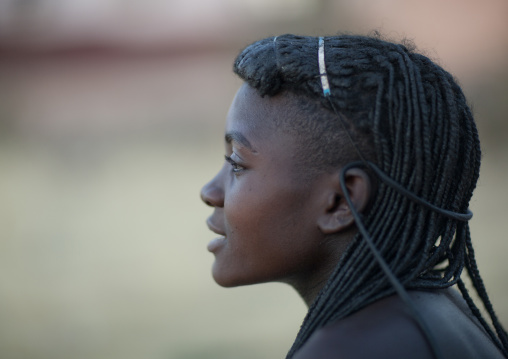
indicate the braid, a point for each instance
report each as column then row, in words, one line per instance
column 409, row 117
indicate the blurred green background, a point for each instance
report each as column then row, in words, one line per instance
column 111, row 120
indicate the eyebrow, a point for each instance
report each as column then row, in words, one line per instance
column 238, row 137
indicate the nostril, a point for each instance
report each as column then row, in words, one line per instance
column 209, row 196
column 212, row 194
column 204, row 198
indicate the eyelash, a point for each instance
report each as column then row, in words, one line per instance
column 236, row 167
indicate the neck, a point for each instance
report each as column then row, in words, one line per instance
column 310, row 283
column 310, row 293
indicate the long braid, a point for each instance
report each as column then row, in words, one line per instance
column 409, row 117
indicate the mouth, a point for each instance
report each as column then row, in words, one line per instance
column 216, row 243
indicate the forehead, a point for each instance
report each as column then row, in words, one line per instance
column 256, row 117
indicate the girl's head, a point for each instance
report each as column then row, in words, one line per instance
column 405, row 114
column 272, row 217
column 278, row 201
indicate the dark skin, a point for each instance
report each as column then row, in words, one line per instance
column 385, row 329
column 277, row 225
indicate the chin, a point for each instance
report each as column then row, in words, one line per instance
column 227, row 282
column 225, row 279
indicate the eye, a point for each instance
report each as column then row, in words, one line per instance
column 236, row 167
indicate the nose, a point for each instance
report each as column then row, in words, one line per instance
column 212, row 193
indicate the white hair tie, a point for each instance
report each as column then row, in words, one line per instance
column 322, row 67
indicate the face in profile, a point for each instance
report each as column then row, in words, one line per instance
column 264, row 213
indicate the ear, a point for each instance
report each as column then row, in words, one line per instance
column 336, row 215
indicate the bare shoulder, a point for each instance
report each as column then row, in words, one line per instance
column 381, row 330
column 385, row 329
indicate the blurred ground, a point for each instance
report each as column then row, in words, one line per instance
column 103, row 151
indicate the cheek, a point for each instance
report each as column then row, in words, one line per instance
column 246, row 209
column 257, row 215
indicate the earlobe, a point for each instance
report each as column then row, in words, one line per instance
column 336, row 215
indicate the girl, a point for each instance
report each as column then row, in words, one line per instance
column 350, row 163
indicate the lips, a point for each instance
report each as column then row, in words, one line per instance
column 216, row 243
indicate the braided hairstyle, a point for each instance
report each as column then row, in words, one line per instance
column 420, row 132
